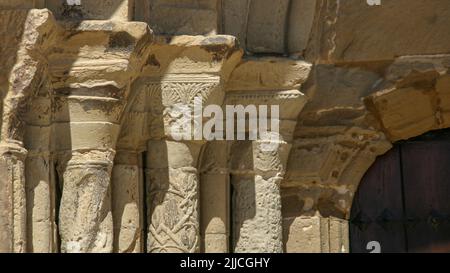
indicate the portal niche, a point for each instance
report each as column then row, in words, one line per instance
column 402, row 204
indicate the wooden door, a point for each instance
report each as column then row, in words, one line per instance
column 403, row 201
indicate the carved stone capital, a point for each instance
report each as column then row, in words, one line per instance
column 99, row 53
column 265, row 158
column 173, row 99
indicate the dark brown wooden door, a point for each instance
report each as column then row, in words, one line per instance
column 403, row 201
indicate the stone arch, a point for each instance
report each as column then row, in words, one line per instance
column 401, row 194
column 338, row 140
column 414, row 99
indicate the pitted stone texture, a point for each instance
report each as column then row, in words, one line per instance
column 256, row 203
column 25, row 68
column 85, row 221
column 314, row 219
column 414, row 98
column 216, row 54
column 257, row 215
column 86, row 88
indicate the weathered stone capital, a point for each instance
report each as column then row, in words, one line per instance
column 177, row 103
column 12, row 148
column 267, row 159
column 270, row 158
column 99, row 53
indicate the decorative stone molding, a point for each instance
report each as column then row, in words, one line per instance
column 86, row 107
column 173, row 182
column 326, row 155
column 174, row 188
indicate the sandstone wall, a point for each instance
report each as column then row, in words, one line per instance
column 86, row 153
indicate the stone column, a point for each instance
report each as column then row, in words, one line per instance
column 87, row 145
column 215, row 198
column 195, row 74
column 127, row 208
column 258, row 167
column 23, row 78
column 173, row 195
column 39, row 174
column 13, row 199
column 257, row 219
column 40, row 187
column 91, row 97
column 85, row 213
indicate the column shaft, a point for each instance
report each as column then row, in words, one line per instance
column 85, row 212
column 40, row 204
column 257, row 214
column 127, row 186
column 215, row 198
column 172, row 197
column 13, row 198
column 256, row 201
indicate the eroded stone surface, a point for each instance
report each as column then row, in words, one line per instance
column 87, row 154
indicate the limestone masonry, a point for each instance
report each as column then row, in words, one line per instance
column 87, row 162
